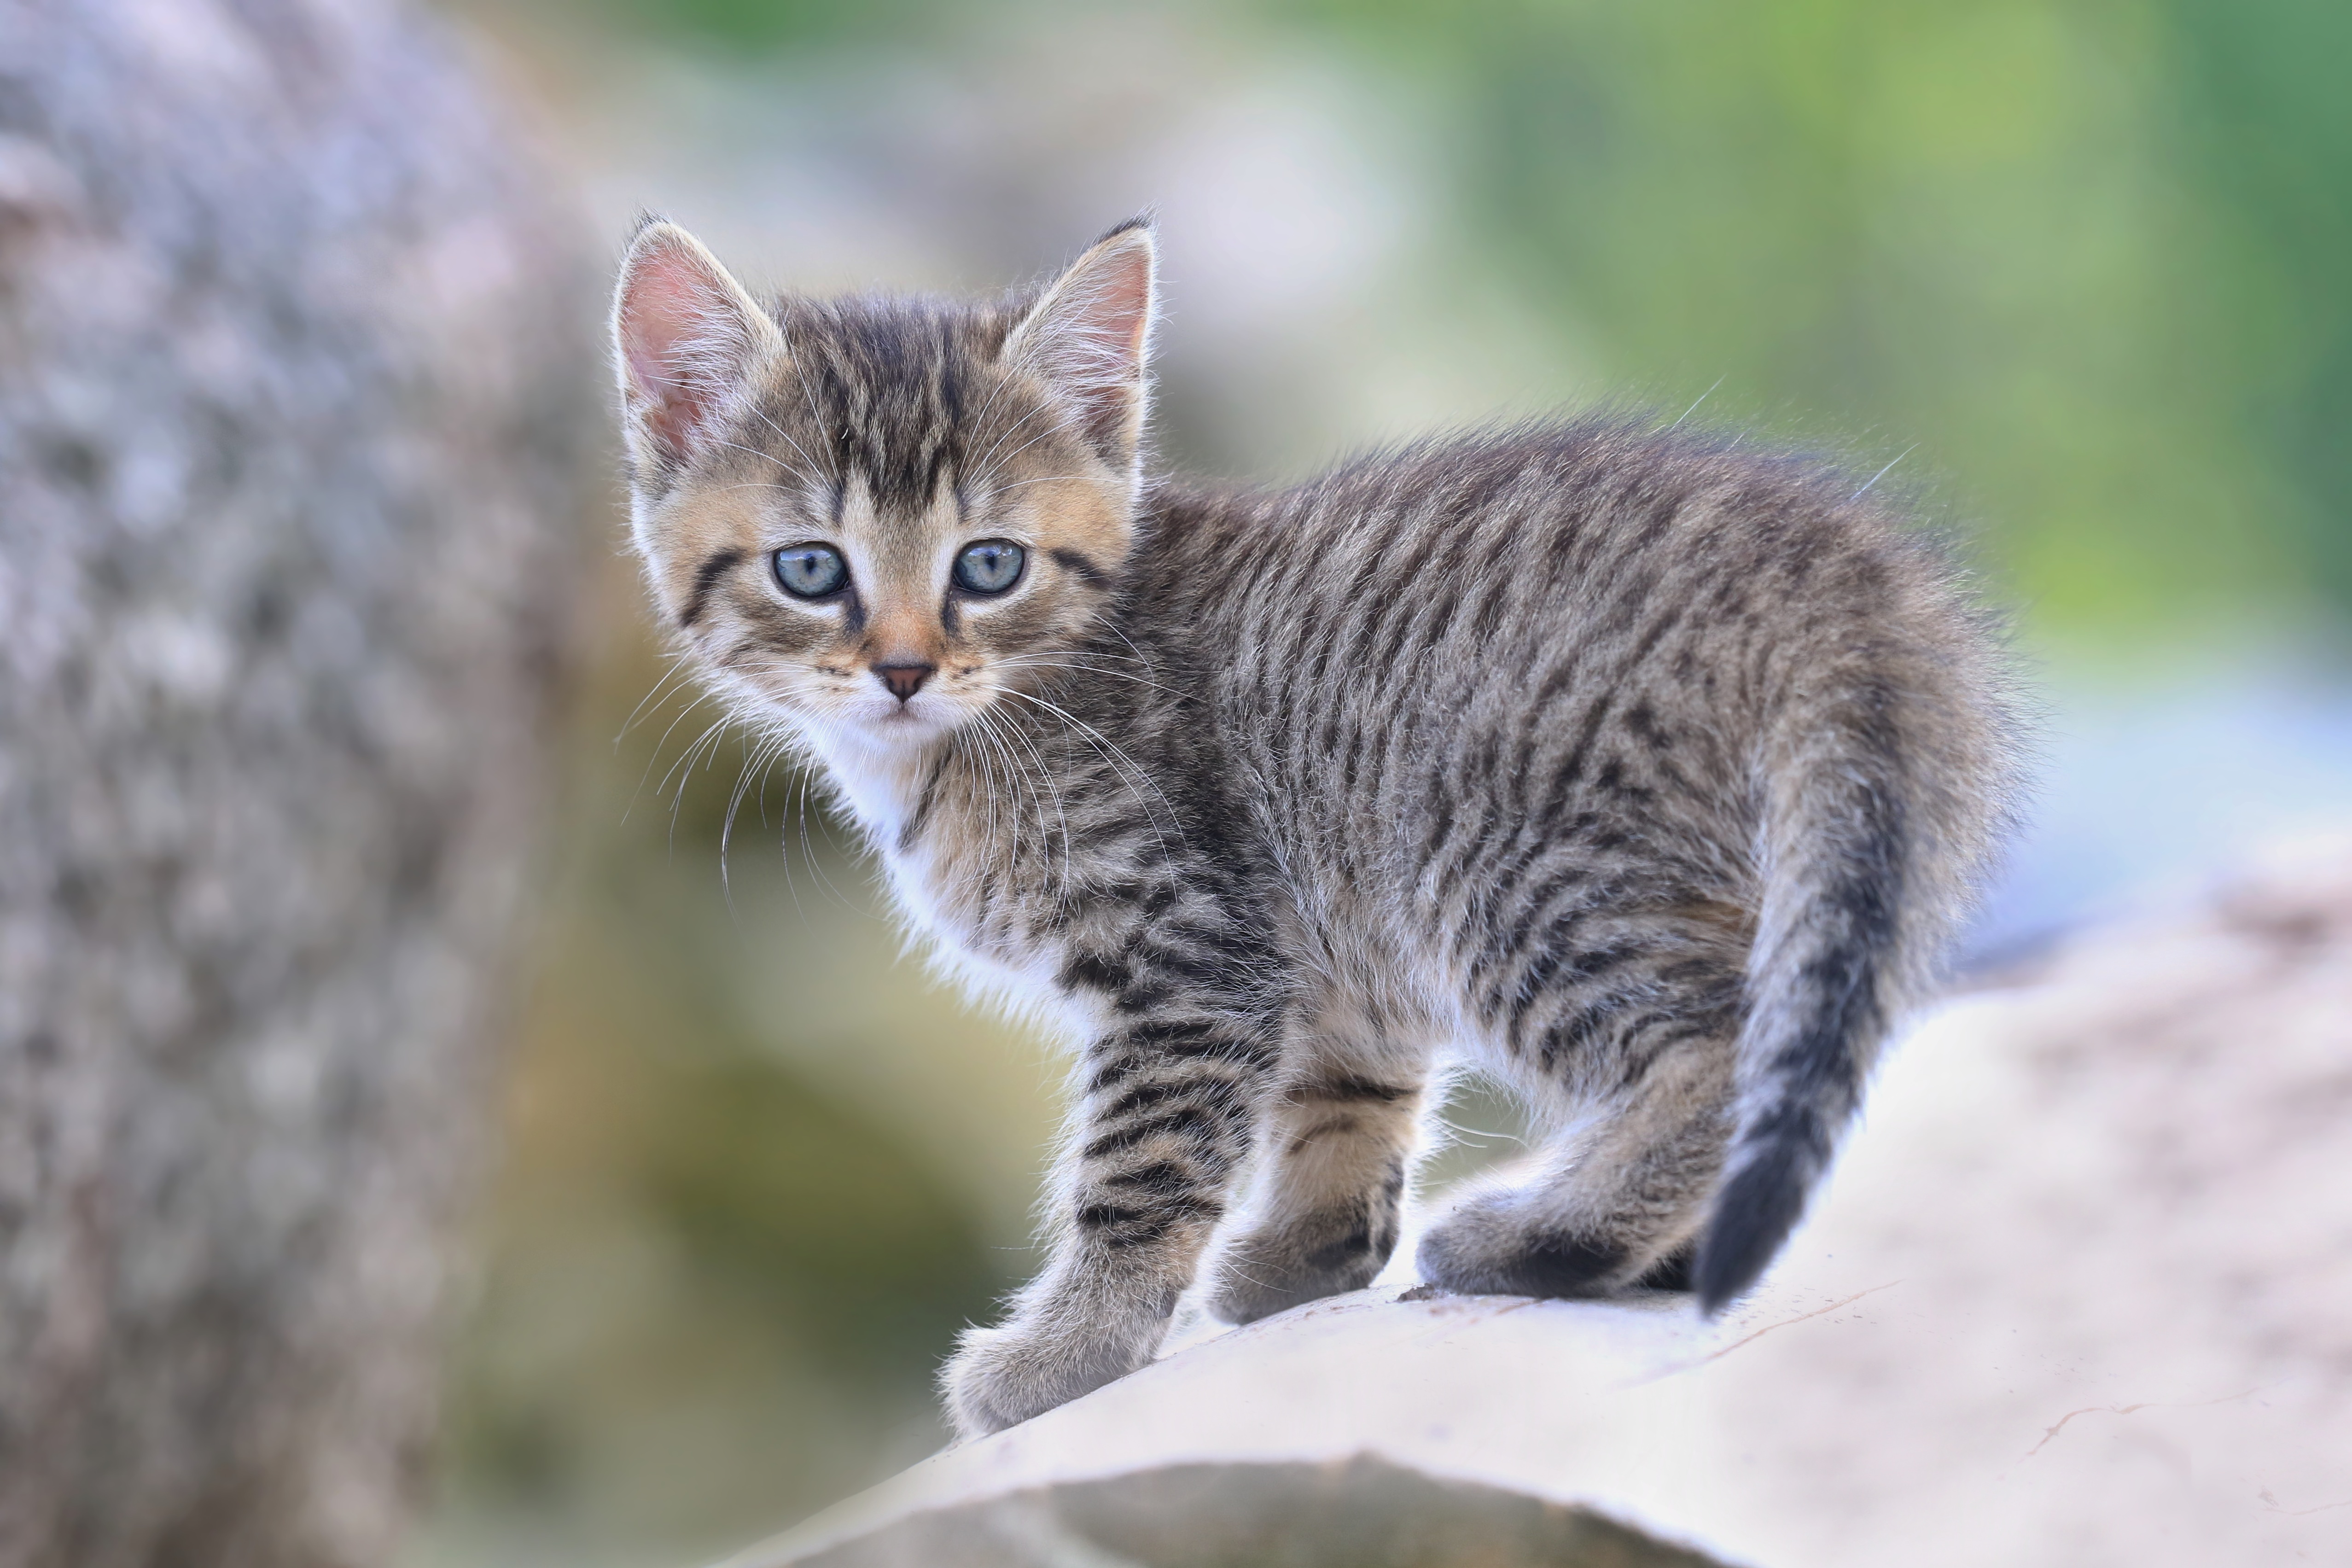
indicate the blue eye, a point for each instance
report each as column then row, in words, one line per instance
column 810, row 571
column 990, row 566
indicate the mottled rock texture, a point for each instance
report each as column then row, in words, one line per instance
column 296, row 385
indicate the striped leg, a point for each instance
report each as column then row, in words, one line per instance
column 1335, row 1149
column 1164, row 1125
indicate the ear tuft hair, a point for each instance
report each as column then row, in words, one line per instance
column 685, row 337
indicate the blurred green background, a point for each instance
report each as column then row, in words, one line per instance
column 2082, row 273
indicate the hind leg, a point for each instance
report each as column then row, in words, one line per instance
column 1333, row 1153
column 1615, row 1205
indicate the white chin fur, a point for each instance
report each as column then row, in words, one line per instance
column 885, row 723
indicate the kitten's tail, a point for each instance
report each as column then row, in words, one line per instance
column 1879, row 803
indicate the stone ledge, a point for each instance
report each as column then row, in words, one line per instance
column 2075, row 1295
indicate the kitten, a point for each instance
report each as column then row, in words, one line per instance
column 1645, row 770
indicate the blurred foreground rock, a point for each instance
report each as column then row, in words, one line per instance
column 2080, row 1294
column 295, row 379
column 1356, row 1513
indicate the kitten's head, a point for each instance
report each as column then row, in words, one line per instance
column 874, row 517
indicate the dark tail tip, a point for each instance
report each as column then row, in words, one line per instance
column 1759, row 1206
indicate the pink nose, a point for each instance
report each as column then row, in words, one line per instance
column 903, row 679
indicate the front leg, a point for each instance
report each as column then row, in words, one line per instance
column 1163, row 1124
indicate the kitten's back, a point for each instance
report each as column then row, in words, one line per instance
column 1603, row 705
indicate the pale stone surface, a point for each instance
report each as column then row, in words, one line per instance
column 2076, row 1296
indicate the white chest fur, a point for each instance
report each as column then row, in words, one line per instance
column 880, row 785
column 883, row 787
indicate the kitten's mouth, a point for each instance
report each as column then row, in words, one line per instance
column 909, row 722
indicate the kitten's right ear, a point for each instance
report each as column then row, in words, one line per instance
column 685, row 338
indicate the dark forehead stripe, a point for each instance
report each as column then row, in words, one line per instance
column 892, row 379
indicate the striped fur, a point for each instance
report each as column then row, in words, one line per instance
column 1645, row 770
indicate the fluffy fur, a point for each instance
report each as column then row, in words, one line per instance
column 1646, row 771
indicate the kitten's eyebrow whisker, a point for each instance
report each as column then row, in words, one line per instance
column 1041, row 480
column 763, row 415
column 763, row 457
column 806, row 479
column 800, row 373
column 989, row 402
column 1062, row 423
column 749, row 484
column 1061, row 418
column 1004, row 435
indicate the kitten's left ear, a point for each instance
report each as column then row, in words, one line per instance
column 1090, row 338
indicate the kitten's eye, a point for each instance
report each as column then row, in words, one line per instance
column 810, row 571
column 990, row 566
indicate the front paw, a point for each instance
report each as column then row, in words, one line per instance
column 999, row 1377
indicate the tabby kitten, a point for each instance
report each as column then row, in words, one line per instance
column 1645, row 770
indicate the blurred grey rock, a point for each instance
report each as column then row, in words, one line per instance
column 1361, row 1514
column 295, row 388
column 2075, row 1297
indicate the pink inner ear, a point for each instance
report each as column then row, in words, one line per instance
column 675, row 323
column 1122, row 313
column 1124, row 304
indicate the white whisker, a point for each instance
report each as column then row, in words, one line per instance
column 678, row 670
column 700, row 698
column 771, row 458
column 763, row 415
column 1047, row 661
column 1130, row 772
column 1041, row 480
column 1062, row 423
column 1882, row 472
column 708, row 741
column 1702, row 399
column 1044, row 775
